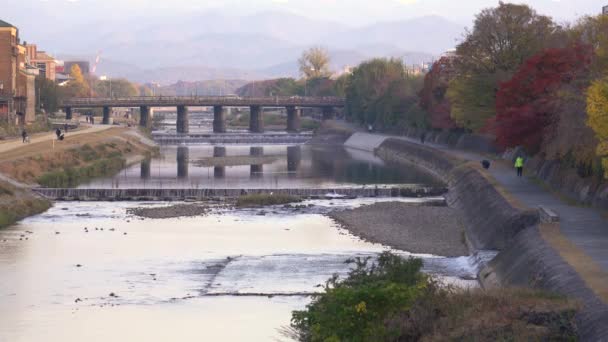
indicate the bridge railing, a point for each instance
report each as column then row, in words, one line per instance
column 205, row 101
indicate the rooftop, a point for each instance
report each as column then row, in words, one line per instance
column 5, row 24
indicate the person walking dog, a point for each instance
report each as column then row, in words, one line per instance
column 519, row 166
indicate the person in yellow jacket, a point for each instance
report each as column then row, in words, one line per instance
column 519, row 166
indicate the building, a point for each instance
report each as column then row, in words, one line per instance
column 605, row 10
column 45, row 63
column 17, row 78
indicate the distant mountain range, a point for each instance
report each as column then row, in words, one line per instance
column 218, row 46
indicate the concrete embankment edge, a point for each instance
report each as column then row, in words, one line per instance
column 494, row 220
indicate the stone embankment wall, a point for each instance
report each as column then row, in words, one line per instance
column 472, row 142
column 496, row 221
column 588, row 190
column 492, row 219
column 585, row 190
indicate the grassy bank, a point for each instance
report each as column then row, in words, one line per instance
column 87, row 157
column 392, row 300
column 16, row 204
column 259, row 200
column 72, row 176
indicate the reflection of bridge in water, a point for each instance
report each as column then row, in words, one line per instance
column 255, row 162
column 294, row 158
column 219, row 103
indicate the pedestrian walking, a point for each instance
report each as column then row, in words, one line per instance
column 65, row 127
column 519, row 166
column 423, row 137
column 58, row 133
column 24, row 136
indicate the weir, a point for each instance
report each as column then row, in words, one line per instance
column 232, row 138
column 74, row 194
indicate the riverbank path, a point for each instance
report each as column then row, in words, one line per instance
column 16, row 143
column 582, row 239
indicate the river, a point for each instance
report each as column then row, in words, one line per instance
column 89, row 271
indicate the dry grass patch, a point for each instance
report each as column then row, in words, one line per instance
column 260, row 200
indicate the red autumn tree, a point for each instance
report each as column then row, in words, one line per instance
column 432, row 96
column 526, row 104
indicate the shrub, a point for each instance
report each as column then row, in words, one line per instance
column 258, row 200
column 71, row 176
column 392, row 300
column 354, row 309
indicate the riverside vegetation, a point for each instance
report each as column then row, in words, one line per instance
column 100, row 154
column 260, row 200
column 16, row 203
column 69, row 163
column 392, row 300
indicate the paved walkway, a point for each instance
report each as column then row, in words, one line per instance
column 585, row 227
column 11, row 144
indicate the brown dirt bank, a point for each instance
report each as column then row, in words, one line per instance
column 416, row 229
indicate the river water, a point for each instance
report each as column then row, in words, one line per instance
column 233, row 275
column 271, row 166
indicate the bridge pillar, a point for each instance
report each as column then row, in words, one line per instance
column 183, row 160
column 328, row 113
column 256, row 170
column 145, row 169
column 68, row 113
column 256, row 121
column 294, row 157
column 219, row 171
column 219, row 122
column 106, row 115
column 144, row 116
column 182, row 119
column 293, row 119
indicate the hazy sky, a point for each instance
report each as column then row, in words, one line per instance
column 353, row 12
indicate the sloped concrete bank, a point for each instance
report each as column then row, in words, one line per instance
column 494, row 220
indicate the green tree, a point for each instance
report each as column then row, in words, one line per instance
column 594, row 31
column 314, row 63
column 380, row 92
column 501, row 40
column 48, row 94
column 473, row 100
column 114, row 88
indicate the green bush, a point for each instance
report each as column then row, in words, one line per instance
column 392, row 300
column 354, row 309
column 71, row 176
column 258, row 200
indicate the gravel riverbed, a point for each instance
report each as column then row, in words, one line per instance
column 416, row 229
column 178, row 210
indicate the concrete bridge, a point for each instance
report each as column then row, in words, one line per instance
column 219, row 103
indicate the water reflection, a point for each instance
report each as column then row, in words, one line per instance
column 270, row 166
column 256, row 170
column 145, row 169
column 183, row 161
column 294, row 157
column 219, row 171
